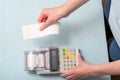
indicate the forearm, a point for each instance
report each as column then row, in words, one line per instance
column 112, row 68
column 72, row 5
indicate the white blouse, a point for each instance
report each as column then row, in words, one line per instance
column 114, row 19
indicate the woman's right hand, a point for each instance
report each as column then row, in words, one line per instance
column 50, row 16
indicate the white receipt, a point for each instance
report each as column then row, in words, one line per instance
column 32, row 31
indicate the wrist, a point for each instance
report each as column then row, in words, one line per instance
column 65, row 11
column 97, row 70
column 72, row 5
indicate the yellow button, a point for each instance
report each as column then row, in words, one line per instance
column 70, row 54
column 67, row 54
column 67, row 50
column 71, row 57
column 74, row 57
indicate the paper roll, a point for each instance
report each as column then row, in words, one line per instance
column 31, row 60
column 40, row 60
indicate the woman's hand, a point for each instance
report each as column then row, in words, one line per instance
column 83, row 70
column 51, row 15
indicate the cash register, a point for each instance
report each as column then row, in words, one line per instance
column 51, row 60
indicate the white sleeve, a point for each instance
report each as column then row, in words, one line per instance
column 114, row 19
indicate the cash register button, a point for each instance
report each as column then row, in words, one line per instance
column 67, row 54
column 67, row 50
column 67, row 57
column 64, row 54
column 64, row 57
column 74, row 57
column 63, row 50
column 68, row 61
column 64, row 64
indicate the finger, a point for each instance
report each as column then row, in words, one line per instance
column 69, row 77
column 73, row 78
column 41, row 18
column 44, row 20
column 66, row 74
column 46, row 24
column 80, row 58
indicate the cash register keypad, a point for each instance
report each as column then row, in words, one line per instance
column 68, row 58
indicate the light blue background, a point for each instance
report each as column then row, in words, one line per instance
column 83, row 29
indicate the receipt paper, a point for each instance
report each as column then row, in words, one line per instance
column 32, row 31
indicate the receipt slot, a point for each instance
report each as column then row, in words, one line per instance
column 51, row 60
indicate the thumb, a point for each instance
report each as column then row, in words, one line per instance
column 80, row 60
